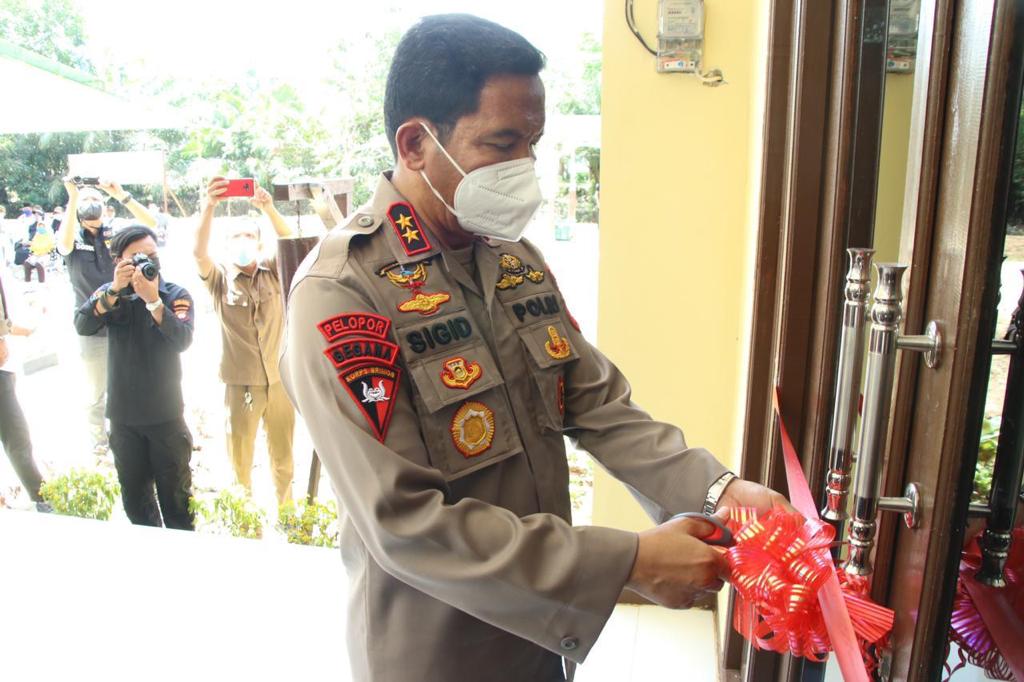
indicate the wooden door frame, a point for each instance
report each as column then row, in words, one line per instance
column 816, row 133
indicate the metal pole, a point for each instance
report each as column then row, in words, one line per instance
column 851, row 357
column 886, row 314
column 1009, row 466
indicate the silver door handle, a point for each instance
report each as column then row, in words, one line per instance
column 883, row 342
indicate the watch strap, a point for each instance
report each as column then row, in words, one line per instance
column 715, row 491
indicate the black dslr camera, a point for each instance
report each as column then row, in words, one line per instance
column 144, row 264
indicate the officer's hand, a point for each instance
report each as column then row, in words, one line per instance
column 147, row 289
column 673, row 566
column 123, row 274
column 741, row 493
column 111, row 188
column 214, row 189
column 262, row 200
column 72, row 190
column 4, row 353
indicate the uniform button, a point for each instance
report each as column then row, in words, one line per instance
column 569, row 643
column 365, row 221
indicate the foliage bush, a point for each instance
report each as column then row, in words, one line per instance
column 305, row 523
column 986, row 460
column 88, row 494
column 228, row 512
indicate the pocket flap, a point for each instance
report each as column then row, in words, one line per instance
column 548, row 343
column 447, row 378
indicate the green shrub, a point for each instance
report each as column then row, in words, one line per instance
column 229, row 512
column 986, row 459
column 88, row 494
column 309, row 523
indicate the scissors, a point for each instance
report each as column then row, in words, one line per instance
column 721, row 537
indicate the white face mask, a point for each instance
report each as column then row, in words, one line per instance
column 246, row 251
column 494, row 201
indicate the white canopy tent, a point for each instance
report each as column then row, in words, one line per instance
column 74, row 100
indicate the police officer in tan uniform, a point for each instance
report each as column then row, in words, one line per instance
column 246, row 293
column 437, row 368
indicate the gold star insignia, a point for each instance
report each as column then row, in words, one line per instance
column 410, row 234
column 404, row 221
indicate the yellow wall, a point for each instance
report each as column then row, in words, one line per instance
column 679, row 178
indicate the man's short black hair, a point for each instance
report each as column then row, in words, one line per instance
column 441, row 65
column 129, row 235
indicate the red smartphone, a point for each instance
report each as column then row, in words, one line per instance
column 240, row 187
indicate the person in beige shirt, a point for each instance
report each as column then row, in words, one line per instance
column 431, row 354
column 247, row 297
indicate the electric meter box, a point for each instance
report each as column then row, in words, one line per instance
column 680, row 36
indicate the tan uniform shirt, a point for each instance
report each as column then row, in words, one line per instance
column 440, row 419
column 251, row 312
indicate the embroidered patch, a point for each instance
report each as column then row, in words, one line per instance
column 458, row 374
column 360, row 350
column 538, row 306
column 560, row 397
column 556, row 346
column 473, row 428
column 414, row 279
column 407, row 227
column 366, row 324
column 373, row 388
column 514, row 273
column 424, row 304
column 181, row 308
column 440, row 334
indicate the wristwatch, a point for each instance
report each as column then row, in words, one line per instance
column 155, row 305
column 126, row 198
column 716, row 490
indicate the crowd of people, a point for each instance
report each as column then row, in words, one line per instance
column 125, row 308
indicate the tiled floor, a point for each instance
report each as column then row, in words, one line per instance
column 104, row 600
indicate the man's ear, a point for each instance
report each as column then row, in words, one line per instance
column 410, row 141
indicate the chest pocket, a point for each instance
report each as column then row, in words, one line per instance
column 464, row 413
column 550, row 350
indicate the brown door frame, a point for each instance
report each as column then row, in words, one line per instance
column 822, row 122
column 817, row 170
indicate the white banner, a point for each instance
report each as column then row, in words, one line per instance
column 125, row 168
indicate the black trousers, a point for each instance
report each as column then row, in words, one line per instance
column 15, row 438
column 156, row 454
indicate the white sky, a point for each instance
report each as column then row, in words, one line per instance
column 289, row 40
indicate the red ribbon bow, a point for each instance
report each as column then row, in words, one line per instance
column 779, row 564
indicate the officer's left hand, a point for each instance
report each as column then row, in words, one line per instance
column 741, row 493
column 147, row 289
column 262, row 200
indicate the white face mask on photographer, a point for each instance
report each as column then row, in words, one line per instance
column 494, row 201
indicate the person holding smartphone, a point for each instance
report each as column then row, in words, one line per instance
column 247, row 297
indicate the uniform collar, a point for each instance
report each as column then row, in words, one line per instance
column 234, row 271
column 399, row 217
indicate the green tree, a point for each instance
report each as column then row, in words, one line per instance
column 31, row 166
column 52, row 28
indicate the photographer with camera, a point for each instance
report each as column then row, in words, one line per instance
column 87, row 255
column 149, row 323
column 247, row 297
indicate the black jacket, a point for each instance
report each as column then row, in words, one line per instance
column 144, row 360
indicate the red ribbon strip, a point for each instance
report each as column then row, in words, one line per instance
column 791, row 598
column 987, row 621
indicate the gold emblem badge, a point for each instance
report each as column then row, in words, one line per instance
column 473, row 428
column 422, row 303
column 556, row 346
column 457, row 374
column 515, row 273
